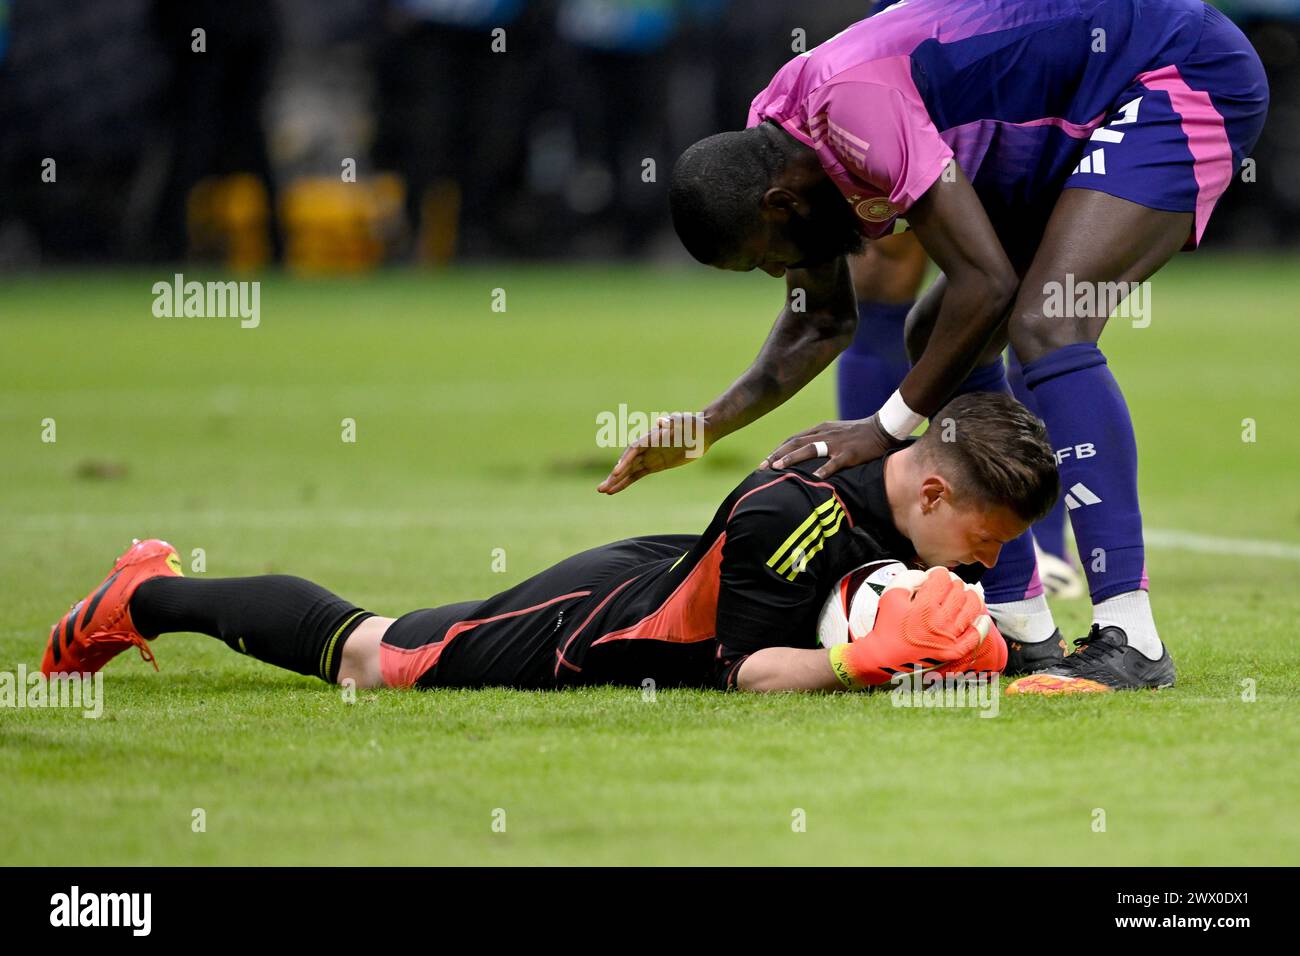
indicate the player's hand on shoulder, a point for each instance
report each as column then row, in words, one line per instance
column 673, row 440
column 846, row 443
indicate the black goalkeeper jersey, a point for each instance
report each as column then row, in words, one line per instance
column 757, row 577
column 666, row 610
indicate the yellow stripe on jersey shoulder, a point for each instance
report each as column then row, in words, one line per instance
column 798, row 559
column 807, row 523
column 827, row 515
column 807, row 556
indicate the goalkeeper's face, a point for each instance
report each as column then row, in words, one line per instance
column 950, row 529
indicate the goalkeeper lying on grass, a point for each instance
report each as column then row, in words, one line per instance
column 735, row 607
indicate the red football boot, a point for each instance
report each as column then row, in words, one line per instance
column 99, row 626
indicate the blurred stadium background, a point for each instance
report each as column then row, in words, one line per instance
column 468, row 145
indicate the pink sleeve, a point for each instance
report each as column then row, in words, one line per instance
column 884, row 136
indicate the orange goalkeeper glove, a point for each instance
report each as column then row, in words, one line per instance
column 941, row 622
column 989, row 658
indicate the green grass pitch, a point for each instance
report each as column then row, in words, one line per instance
column 476, row 431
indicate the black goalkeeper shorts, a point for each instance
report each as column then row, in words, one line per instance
column 513, row 639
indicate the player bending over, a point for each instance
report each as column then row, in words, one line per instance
column 734, row 607
column 1033, row 146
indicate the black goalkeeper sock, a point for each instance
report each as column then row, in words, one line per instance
column 282, row 620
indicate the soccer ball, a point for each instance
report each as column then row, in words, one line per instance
column 850, row 610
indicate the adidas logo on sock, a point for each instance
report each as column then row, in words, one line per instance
column 1080, row 495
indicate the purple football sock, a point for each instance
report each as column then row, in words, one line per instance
column 985, row 378
column 1092, row 434
column 1049, row 532
column 1015, row 576
column 874, row 364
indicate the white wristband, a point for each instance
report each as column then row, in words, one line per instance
column 897, row 419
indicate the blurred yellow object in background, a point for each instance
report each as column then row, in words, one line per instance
column 229, row 221
column 330, row 227
column 333, row 227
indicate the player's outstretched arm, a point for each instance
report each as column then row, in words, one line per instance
column 956, row 233
column 952, row 225
column 788, row 668
column 816, row 325
column 938, row 623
